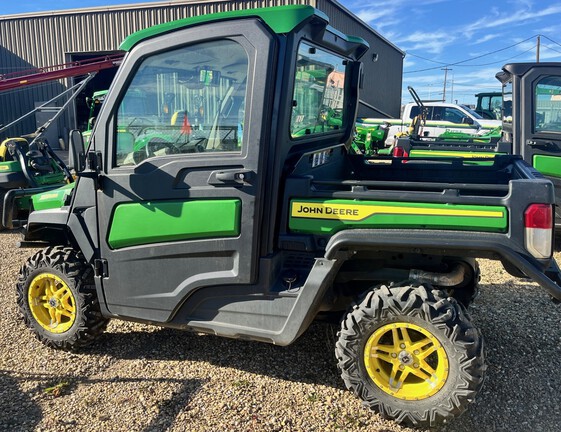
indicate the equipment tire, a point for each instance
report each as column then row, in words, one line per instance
column 411, row 355
column 57, row 298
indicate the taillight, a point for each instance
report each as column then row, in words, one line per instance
column 538, row 230
column 399, row 152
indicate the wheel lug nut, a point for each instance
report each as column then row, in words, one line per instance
column 415, row 365
column 416, row 352
column 402, row 345
column 401, row 367
column 394, row 355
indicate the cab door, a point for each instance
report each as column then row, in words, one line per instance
column 541, row 125
column 179, row 192
column 540, row 113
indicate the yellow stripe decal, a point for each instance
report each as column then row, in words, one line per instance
column 48, row 196
column 435, row 153
column 352, row 212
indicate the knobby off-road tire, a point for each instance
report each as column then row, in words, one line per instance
column 57, row 298
column 411, row 355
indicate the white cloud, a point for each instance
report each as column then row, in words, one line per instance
column 486, row 38
column 369, row 15
column 519, row 17
column 431, row 42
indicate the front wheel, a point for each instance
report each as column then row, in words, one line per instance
column 57, row 299
column 411, row 354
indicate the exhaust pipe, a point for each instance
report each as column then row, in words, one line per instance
column 453, row 278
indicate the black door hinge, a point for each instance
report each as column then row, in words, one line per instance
column 101, row 268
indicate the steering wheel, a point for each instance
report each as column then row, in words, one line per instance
column 197, row 145
column 156, row 144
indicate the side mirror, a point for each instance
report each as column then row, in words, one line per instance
column 467, row 120
column 76, row 149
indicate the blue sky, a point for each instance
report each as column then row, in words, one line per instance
column 473, row 38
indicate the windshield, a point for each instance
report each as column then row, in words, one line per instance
column 319, row 92
column 547, row 105
column 472, row 112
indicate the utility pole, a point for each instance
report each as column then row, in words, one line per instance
column 538, row 49
column 446, row 69
column 452, row 94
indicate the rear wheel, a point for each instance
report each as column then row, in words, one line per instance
column 57, row 298
column 411, row 354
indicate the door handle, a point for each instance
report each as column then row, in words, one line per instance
column 544, row 145
column 237, row 176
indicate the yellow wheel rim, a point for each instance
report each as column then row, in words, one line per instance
column 51, row 302
column 406, row 361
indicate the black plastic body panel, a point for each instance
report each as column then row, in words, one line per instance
column 524, row 137
column 13, row 180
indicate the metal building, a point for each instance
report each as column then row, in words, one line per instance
column 49, row 38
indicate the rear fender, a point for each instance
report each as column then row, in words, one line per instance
column 452, row 243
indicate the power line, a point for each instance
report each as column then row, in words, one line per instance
column 427, row 59
column 551, row 40
column 552, row 49
column 473, row 58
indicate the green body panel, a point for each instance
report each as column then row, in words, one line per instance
column 163, row 221
column 330, row 216
column 489, row 136
column 10, row 166
column 369, row 140
column 279, row 19
column 369, row 122
column 53, row 198
column 548, row 165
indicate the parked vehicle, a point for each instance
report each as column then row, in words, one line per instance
column 531, row 124
column 489, row 105
column 441, row 119
column 253, row 220
column 28, row 164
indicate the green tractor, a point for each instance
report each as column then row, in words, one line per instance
column 29, row 165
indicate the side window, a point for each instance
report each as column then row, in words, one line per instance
column 437, row 114
column 507, row 102
column 187, row 100
column 319, row 92
column 547, row 105
column 453, row 115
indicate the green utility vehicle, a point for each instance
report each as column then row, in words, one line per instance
column 253, row 219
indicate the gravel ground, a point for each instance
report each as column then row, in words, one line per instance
column 140, row 378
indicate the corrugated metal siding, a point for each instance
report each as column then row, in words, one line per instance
column 47, row 39
column 382, row 78
column 27, row 42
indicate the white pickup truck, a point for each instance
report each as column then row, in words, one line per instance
column 442, row 118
